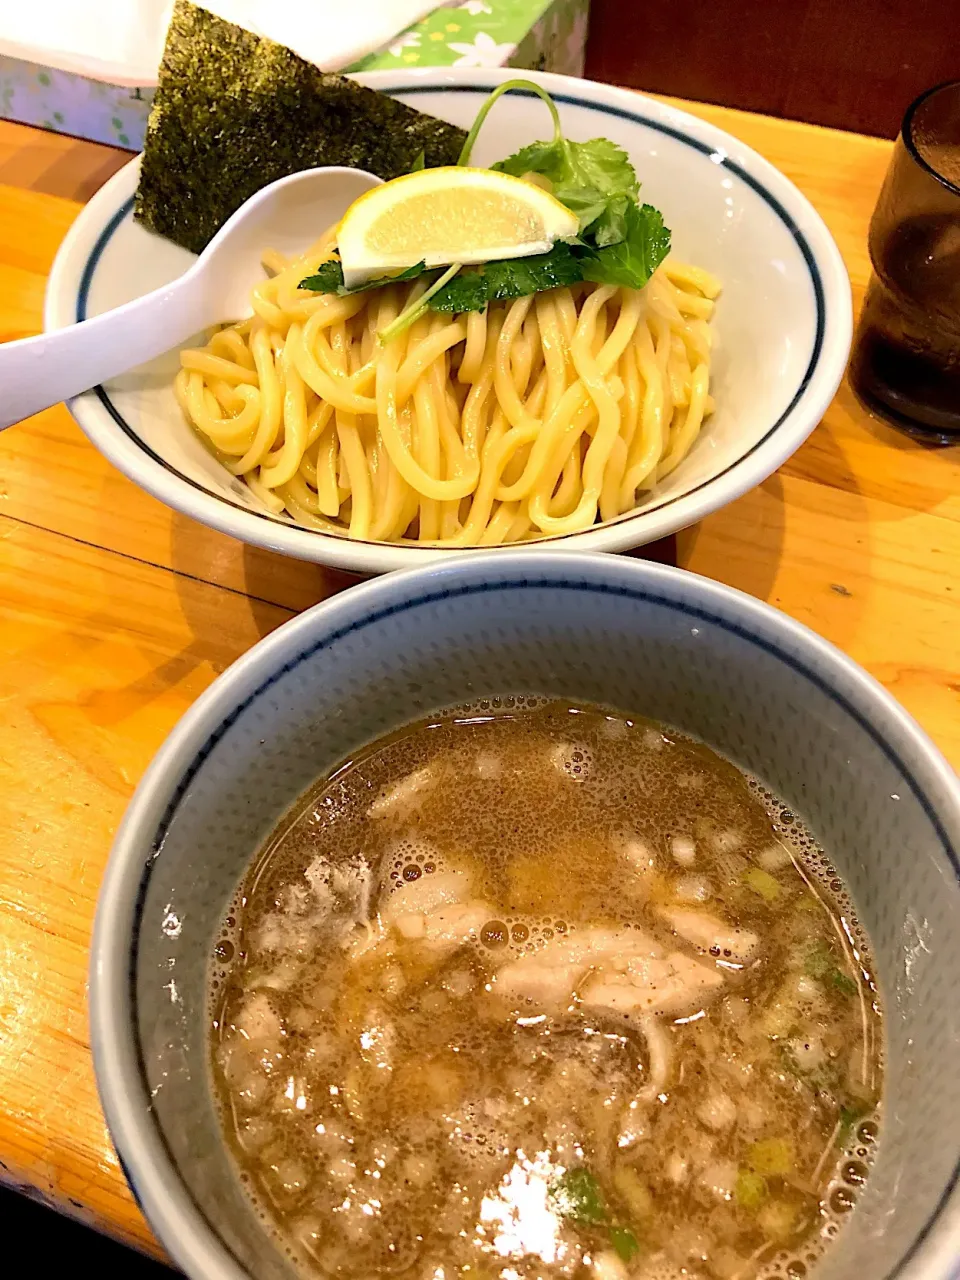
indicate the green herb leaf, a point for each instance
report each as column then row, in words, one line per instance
column 420, row 162
column 545, row 158
column 850, row 1113
column 588, row 177
column 517, row 277
column 818, row 961
column 328, row 278
column 625, row 1243
column 843, row 983
column 511, row 278
column 577, row 1196
column 632, row 261
column 751, row 1190
column 465, row 292
column 611, row 226
column 418, row 307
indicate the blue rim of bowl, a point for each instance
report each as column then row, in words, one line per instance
column 705, row 148
column 525, row 583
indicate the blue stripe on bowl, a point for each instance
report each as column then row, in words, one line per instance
column 816, row 282
column 636, row 595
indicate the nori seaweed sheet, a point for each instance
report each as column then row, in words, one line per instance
column 233, row 112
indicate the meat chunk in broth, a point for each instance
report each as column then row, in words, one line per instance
column 424, row 894
column 548, row 978
column 652, row 982
column 626, row 971
column 434, row 908
column 448, row 928
column 711, row 935
column 546, row 1007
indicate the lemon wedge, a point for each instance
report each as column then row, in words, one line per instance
column 446, row 215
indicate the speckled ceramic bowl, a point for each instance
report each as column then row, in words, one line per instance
column 749, row 681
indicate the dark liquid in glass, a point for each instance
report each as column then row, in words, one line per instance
column 907, row 362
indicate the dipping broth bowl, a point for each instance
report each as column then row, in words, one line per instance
column 758, row 687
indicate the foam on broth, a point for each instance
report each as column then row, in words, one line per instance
column 531, row 989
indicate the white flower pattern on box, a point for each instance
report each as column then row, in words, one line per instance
column 409, row 40
column 484, row 52
column 525, row 34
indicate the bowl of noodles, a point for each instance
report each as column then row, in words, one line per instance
column 589, row 415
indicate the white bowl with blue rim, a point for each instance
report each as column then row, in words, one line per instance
column 757, row 686
column 782, row 325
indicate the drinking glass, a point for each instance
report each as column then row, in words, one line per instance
column 906, row 357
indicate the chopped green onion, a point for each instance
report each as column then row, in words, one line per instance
column 763, row 883
column 751, row 1190
column 772, row 1157
column 779, row 1219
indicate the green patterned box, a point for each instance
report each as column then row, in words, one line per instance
column 547, row 35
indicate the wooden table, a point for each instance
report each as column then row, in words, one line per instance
column 117, row 613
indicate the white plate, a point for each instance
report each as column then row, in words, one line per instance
column 782, row 326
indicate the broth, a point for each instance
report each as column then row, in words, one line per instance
column 531, row 989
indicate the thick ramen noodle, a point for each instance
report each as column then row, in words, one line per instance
column 532, row 990
column 531, row 418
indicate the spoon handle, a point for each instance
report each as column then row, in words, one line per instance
column 38, row 372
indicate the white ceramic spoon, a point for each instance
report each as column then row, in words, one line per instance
column 287, row 215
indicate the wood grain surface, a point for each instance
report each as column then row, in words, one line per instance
column 115, row 613
column 853, row 65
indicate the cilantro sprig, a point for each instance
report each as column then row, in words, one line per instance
column 621, row 242
column 595, row 180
